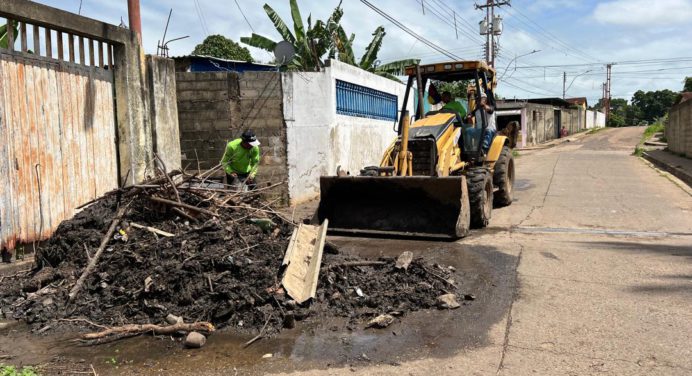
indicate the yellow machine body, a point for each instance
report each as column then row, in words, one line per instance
column 419, row 187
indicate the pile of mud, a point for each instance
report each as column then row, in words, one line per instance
column 224, row 269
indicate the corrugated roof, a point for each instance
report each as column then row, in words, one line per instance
column 219, row 59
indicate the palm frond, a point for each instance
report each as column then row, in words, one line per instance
column 279, row 24
column 368, row 59
column 397, row 67
column 259, row 41
column 298, row 27
column 344, row 46
column 388, row 75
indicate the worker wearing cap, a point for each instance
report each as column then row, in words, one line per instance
column 241, row 159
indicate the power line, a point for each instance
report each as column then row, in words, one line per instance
column 243, row 13
column 436, row 13
column 410, row 32
column 472, row 31
column 200, row 16
column 625, row 62
column 552, row 36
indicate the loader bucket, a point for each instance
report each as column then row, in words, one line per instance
column 410, row 206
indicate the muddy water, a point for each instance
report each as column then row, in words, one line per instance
column 481, row 271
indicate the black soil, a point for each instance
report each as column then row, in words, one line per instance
column 225, row 270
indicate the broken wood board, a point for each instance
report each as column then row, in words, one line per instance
column 302, row 260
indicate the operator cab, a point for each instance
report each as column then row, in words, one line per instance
column 479, row 78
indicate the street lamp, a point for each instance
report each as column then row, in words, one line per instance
column 564, row 80
column 515, row 58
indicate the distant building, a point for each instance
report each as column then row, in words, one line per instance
column 581, row 102
column 544, row 119
column 201, row 63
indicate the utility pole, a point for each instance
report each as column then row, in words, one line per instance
column 491, row 26
column 607, row 92
column 135, row 18
column 564, row 84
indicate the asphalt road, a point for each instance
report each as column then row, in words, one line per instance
column 603, row 274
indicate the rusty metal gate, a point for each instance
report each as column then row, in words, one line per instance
column 57, row 139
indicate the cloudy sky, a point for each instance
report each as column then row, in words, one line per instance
column 650, row 42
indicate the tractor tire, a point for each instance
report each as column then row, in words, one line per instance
column 503, row 178
column 480, row 187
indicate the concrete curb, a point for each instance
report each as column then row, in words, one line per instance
column 559, row 141
column 679, row 173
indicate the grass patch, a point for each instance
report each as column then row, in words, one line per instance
column 6, row 370
column 515, row 154
column 649, row 132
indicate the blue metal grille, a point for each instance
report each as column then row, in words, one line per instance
column 361, row 101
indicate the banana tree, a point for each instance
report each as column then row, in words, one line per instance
column 4, row 37
column 369, row 60
column 310, row 44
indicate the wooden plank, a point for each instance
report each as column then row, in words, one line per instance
column 37, row 40
column 302, row 260
column 57, row 19
column 49, row 44
column 91, row 53
column 10, row 35
column 102, row 63
column 82, row 58
column 23, row 36
column 70, row 47
column 61, row 55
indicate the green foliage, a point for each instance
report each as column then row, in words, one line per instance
column 616, row 120
column 4, row 38
column 652, row 104
column 688, row 84
column 222, row 47
column 369, row 61
column 310, row 43
column 457, row 89
column 645, row 107
column 13, row 371
column 658, row 127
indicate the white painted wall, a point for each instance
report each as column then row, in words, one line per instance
column 590, row 119
column 319, row 139
column 600, row 121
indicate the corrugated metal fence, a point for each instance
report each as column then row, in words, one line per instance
column 57, row 138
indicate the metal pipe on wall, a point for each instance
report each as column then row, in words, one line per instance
column 135, row 18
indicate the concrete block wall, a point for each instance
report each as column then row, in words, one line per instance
column 163, row 110
column 679, row 129
column 216, row 107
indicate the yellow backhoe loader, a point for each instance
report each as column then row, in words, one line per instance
column 436, row 179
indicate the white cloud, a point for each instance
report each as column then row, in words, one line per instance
column 644, row 12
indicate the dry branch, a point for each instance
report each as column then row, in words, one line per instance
column 95, row 259
column 135, row 329
column 152, row 229
column 182, row 205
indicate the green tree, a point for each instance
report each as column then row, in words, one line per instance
column 369, row 60
column 310, row 44
column 222, row 47
column 688, row 84
column 653, row 104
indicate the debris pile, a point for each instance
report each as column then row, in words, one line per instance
column 186, row 255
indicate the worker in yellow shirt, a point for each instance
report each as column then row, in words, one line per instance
column 241, row 160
